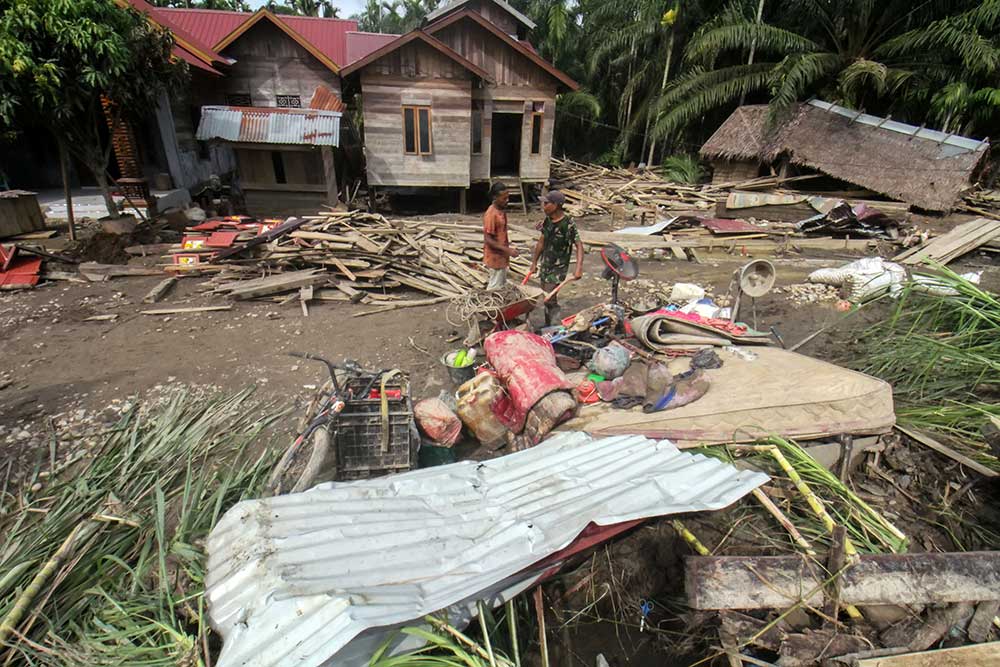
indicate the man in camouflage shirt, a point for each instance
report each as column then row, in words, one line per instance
column 555, row 246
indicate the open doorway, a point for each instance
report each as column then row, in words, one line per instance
column 505, row 151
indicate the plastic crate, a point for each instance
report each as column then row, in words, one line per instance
column 359, row 436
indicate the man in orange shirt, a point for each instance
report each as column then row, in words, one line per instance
column 497, row 249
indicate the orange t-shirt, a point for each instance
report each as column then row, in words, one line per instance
column 495, row 224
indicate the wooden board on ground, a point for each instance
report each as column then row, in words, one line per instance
column 160, row 290
column 777, row 582
column 180, row 311
column 959, row 241
column 977, row 655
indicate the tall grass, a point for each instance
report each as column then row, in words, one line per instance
column 942, row 356
column 129, row 590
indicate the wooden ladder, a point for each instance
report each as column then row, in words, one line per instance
column 516, row 189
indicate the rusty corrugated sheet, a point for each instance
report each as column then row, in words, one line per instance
column 326, row 99
column 256, row 125
column 322, row 577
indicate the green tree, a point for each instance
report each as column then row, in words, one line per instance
column 229, row 5
column 862, row 53
column 59, row 58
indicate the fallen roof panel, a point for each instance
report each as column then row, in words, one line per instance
column 297, row 579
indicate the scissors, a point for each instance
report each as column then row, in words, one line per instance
column 645, row 607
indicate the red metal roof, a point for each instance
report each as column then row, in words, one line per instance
column 329, row 36
column 188, row 46
column 360, row 44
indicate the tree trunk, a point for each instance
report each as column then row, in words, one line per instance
column 663, row 87
column 64, row 167
column 102, row 182
column 753, row 44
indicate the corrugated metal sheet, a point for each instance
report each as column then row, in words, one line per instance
column 210, row 26
column 953, row 141
column 458, row 4
column 360, row 44
column 256, row 125
column 183, row 37
column 319, row 578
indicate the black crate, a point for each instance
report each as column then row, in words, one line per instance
column 359, row 436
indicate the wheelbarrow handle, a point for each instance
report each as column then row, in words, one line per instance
column 558, row 287
column 527, row 277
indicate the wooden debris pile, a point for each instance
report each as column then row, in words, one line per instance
column 360, row 257
column 595, row 190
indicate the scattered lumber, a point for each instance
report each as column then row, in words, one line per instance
column 736, row 582
column 961, row 240
column 181, row 311
column 95, row 272
column 976, row 655
column 362, row 255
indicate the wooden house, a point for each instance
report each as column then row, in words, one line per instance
column 463, row 100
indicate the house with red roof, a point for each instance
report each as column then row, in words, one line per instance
column 465, row 99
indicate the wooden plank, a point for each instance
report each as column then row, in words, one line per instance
column 178, row 311
column 160, row 290
column 977, row 655
column 283, row 282
column 343, row 269
column 928, row 441
column 736, row 582
column 405, row 304
column 959, row 241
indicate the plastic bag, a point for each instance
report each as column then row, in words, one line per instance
column 437, row 421
column 864, row 279
column 610, row 361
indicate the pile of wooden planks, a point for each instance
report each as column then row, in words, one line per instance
column 595, row 190
column 360, row 256
column 961, row 240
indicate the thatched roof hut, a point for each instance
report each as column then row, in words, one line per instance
column 925, row 168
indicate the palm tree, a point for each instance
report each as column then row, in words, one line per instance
column 861, row 53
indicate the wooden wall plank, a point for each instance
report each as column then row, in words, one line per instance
column 451, row 118
column 269, row 63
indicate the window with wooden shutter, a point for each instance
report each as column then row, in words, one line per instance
column 537, row 116
column 417, row 130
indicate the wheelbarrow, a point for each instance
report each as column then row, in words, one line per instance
column 532, row 297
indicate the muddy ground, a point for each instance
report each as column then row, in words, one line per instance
column 56, row 364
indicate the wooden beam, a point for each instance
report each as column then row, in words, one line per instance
column 977, row 655
column 178, row 311
column 330, row 175
column 160, row 290
column 928, row 441
column 776, row 582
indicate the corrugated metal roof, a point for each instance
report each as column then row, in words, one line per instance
column 954, row 141
column 318, row 578
column 258, row 125
column 458, row 4
column 189, row 47
column 210, row 25
column 360, row 44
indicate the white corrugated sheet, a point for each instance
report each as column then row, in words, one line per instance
column 953, row 141
column 312, row 127
column 319, row 578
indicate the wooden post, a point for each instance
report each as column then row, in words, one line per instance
column 463, row 194
column 64, row 166
column 330, row 172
